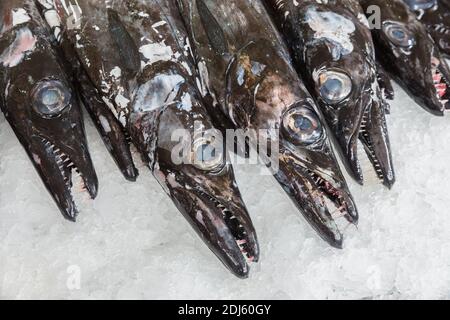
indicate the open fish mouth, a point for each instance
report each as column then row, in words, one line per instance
column 337, row 201
column 441, row 82
column 62, row 173
column 221, row 219
column 375, row 140
column 243, row 239
column 321, row 195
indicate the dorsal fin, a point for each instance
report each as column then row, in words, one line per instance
column 213, row 30
column 125, row 45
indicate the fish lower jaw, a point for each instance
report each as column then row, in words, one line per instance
column 332, row 197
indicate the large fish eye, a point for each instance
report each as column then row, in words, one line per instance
column 398, row 34
column 421, row 4
column 301, row 125
column 206, row 155
column 334, row 86
column 50, row 98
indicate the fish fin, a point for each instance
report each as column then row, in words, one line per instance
column 127, row 48
column 213, row 30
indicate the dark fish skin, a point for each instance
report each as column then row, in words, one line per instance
column 435, row 14
column 110, row 129
column 154, row 101
column 409, row 54
column 246, row 69
column 127, row 49
column 40, row 104
column 329, row 39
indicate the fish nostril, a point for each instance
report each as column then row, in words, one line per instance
column 50, row 98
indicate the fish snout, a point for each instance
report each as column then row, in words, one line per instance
column 212, row 204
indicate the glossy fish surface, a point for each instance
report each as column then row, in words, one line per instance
column 334, row 53
column 137, row 56
column 246, row 70
column 435, row 14
column 410, row 55
column 41, row 106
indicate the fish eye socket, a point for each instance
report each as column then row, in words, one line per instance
column 421, row 4
column 398, row 34
column 334, row 86
column 50, row 98
column 302, row 126
column 206, row 155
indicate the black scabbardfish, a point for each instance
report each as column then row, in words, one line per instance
column 334, row 53
column 152, row 100
column 246, row 70
column 40, row 104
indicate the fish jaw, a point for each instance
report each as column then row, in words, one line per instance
column 207, row 196
column 435, row 14
column 213, row 206
column 56, row 145
column 414, row 62
column 41, row 106
column 339, row 69
column 310, row 175
column 375, row 139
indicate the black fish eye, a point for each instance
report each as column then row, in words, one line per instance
column 398, row 34
column 421, row 4
column 206, row 156
column 301, row 125
column 50, row 98
column 334, row 86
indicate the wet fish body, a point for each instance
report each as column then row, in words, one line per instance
column 246, row 70
column 40, row 104
column 435, row 14
column 334, row 53
column 406, row 50
column 137, row 57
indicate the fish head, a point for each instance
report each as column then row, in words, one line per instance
column 435, row 14
column 43, row 109
column 265, row 91
column 310, row 174
column 45, row 115
column 408, row 52
column 248, row 68
column 334, row 51
column 188, row 158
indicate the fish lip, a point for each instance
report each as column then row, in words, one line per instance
column 56, row 165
